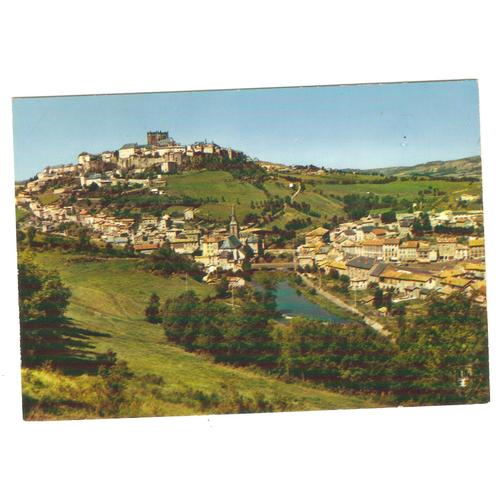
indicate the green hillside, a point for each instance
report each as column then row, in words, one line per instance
column 263, row 195
column 107, row 308
column 217, row 185
column 464, row 167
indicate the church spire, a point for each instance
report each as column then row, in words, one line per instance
column 234, row 229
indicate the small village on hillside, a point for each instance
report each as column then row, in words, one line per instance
column 402, row 254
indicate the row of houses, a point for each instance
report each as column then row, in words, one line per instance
column 368, row 237
column 411, row 283
column 221, row 249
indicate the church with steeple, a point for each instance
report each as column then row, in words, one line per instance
column 234, row 228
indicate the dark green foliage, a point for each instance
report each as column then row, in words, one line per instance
column 239, row 335
column 296, row 224
column 31, row 233
column 112, row 393
column 378, row 298
column 240, row 167
column 222, row 288
column 152, row 310
column 359, row 205
column 166, row 261
column 443, row 356
column 43, row 300
column 388, row 217
column 342, row 356
column 229, row 400
column 344, row 283
column 83, row 240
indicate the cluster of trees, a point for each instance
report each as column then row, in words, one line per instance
column 341, row 356
column 388, row 217
column 339, row 282
column 442, row 356
column 305, row 208
column 439, row 358
column 239, row 335
column 353, row 179
column 360, row 205
column 269, row 206
column 295, row 224
column 422, row 225
column 240, row 167
column 166, row 261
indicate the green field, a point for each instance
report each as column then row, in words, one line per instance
column 108, row 301
column 319, row 194
column 21, row 214
column 48, row 198
column 216, row 184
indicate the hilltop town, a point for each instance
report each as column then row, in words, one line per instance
column 413, row 252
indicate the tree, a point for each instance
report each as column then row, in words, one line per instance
column 43, row 300
column 83, row 239
column 345, row 281
column 417, row 228
column 426, row 222
column 31, row 233
column 387, row 301
column 152, row 310
column 109, row 248
column 388, row 217
column 222, row 288
column 378, row 298
column 181, row 318
column 93, row 187
column 399, row 310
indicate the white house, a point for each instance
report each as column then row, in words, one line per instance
column 128, row 150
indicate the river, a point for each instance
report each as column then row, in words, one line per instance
column 290, row 303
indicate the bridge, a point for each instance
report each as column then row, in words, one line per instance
column 284, row 266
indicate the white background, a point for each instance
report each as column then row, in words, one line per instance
column 62, row 47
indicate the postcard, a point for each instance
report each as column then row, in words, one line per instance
column 251, row 250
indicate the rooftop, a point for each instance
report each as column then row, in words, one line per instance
column 319, row 231
column 362, row 262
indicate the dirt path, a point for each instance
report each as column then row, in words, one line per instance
column 294, row 195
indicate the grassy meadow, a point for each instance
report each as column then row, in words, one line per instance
column 107, row 309
column 216, row 184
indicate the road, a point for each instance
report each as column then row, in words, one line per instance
column 294, row 195
column 332, row 298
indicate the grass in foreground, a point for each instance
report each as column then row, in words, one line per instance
column 107, row 305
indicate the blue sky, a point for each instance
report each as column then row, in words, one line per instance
column 347, row 126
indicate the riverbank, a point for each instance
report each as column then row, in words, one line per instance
column 376, row 325
column 322, row 301
column 293, row 300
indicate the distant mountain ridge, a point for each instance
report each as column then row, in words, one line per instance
column 463, row 167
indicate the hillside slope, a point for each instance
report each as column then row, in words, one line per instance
column 464, row 167
column 107, row 307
